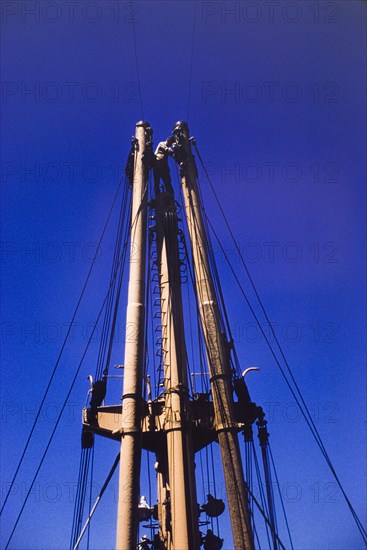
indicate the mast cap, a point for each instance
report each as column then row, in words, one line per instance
column 142, row 123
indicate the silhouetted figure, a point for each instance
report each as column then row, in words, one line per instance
column 161, row 168
column 211, row 541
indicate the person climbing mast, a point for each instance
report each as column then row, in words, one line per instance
column 161, row 168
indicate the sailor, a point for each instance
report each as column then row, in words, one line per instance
column 161, row 168
column 129, row 167
column 214, row 507
column 211, row 541
column 179, row 147
column 98, row 393
column 148, row 157
column 144, row 543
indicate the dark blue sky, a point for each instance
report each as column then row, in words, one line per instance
column 277, row 105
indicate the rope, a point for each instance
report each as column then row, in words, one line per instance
column 281, row 497
column 261, row 489
column 66, row 399
column 122, row 238
column 62, row 348
column 265, row 518
column 108, row 479
column 304, row 410
column 108, row 329
column 309, row 424
column 80, row 496
column 55, row 428
column 121, row 235
column 90, row 495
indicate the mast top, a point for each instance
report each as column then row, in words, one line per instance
column 142, row 123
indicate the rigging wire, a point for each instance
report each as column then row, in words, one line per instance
column 208, row 269
column 300, row 401
column 80, row 496
column 62, row 348
column 265, row 518
column 309, row 424
column 55, row 426
column 67, row 396
column 123, row 234
column 280, row 497
column 104, row 487
column 90, row 495
column 105, row 350
column 261, row 489
column 211, row 269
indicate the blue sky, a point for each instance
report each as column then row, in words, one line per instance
column 277, row 105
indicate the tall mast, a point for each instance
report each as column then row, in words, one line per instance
column 176, row 470
column 130, row 453
column 174, row 425
column 217, row 352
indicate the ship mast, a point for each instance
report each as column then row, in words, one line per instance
column 217, row 353
column 130, row 454
column 175, row 425
column 175, row 465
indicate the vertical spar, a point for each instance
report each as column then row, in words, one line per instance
column 218, row 361
column 130, row 454
column 183, row 533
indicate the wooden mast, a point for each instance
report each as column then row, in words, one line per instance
column 130, row 454
column 217, row 352
column 173, row 426
column 177, row 468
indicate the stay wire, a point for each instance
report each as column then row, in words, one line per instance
column 304, row 410
column 87, row 455
column 280, row 497
column 211, row 270
column 65, row 401
column 118, row 266
column 78, row 499
column 204, row 238
column 90, row 494
column 117, row 297
column 265, row 518
column 308, row 422
column 55, row 427
column 107, row 317
column 262, row 508
column 107, row 320
column 104, row 487
column 62, row 347
column 261, row 489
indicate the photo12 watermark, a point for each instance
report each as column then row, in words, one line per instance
column 68, row 11
column 68, row 92
column 269, row 92
column 270, row 11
